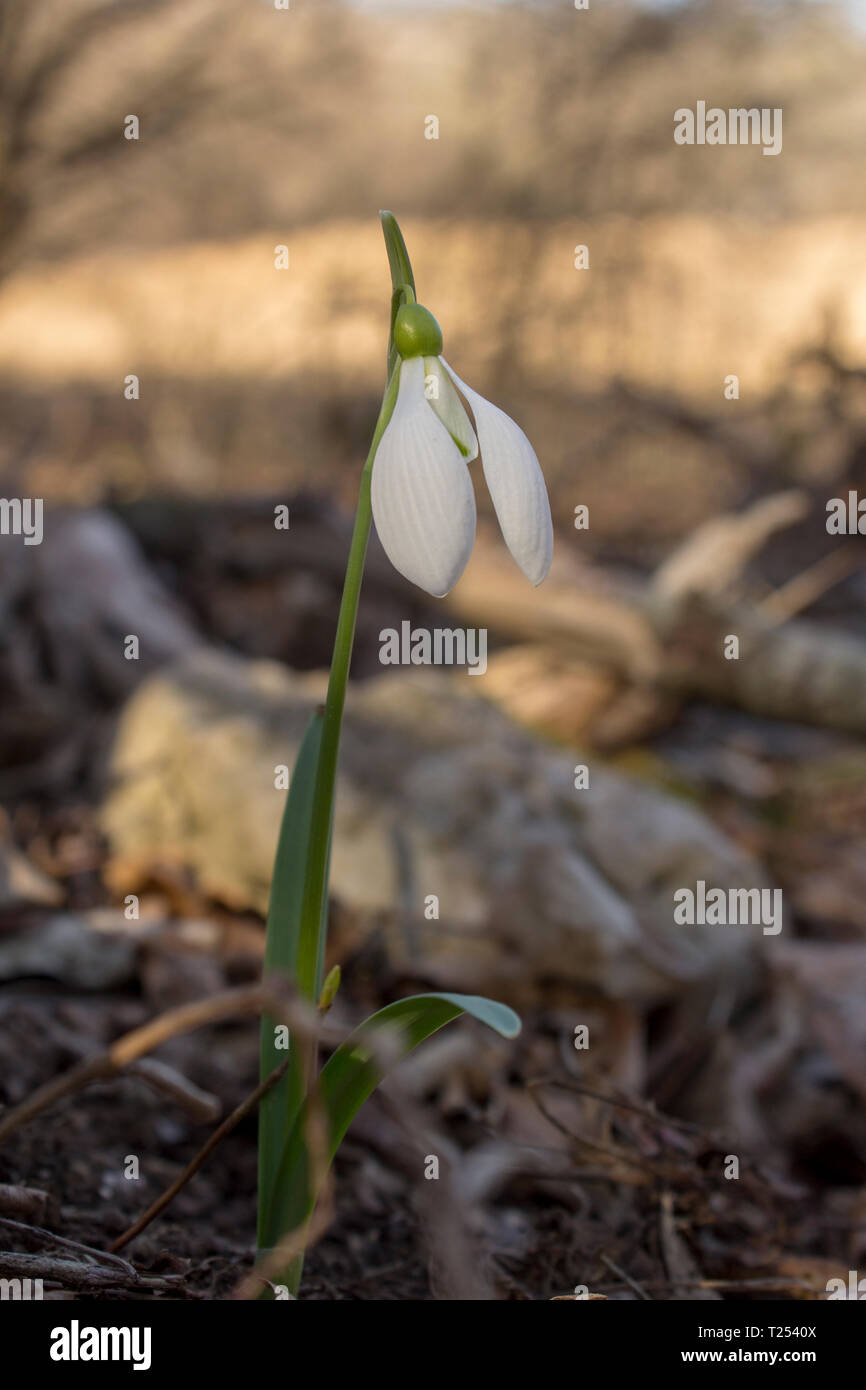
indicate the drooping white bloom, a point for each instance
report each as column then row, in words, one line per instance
column 423, row 502
column 516, row 484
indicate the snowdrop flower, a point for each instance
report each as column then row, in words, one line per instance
column 423, row 502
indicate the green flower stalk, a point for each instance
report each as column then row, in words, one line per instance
column 416, row 484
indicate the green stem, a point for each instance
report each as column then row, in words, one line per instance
column 312, row 926
column 310, row 961
column 311, row 955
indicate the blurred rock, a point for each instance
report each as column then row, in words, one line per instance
column 439, row 794
column 68, row 949
column 85, row 618
column 93, row 590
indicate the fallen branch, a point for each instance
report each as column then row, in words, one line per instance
column 665, row 642
column 274, row 996
column 87, row 1277
column 716, row 554
column 43, row 1237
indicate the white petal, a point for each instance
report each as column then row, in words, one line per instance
column 423, row 504
column 516, row 484
column 449, row 407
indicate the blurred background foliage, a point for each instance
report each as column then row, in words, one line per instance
column 262, row 127
column 254, row 118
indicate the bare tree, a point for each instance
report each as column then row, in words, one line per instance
column 42, row 50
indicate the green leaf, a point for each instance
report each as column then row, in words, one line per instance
column 351, row 1075
column 287, row 952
